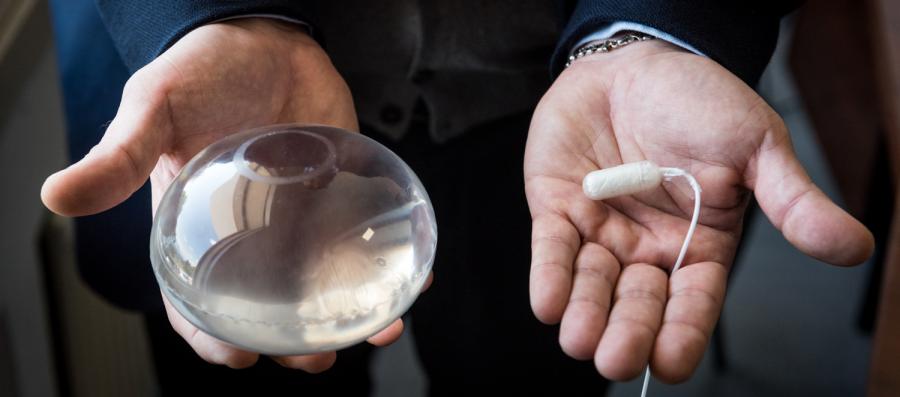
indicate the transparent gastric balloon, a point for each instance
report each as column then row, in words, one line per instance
column 293, row 239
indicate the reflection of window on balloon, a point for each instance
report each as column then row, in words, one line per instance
column 294, row 239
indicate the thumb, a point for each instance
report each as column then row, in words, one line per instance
column 122, row 161
column 801, row 211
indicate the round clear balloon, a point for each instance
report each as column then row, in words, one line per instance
column 293, row 239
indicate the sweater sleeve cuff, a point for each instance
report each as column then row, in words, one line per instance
column 613, row 28
column 144, row 29
column 740, row 36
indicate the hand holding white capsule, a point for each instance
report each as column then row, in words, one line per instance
column 636, row 177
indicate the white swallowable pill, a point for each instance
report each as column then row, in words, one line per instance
column 625, row 179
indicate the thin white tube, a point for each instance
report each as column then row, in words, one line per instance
column 646, row 381
column 669, row 173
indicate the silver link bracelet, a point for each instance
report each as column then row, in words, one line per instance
column 607, row 45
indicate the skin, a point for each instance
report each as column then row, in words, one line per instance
column 600, row 269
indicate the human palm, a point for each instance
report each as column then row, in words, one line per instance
column 217, row 80
column 601, row 268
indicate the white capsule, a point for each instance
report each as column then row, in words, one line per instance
column 628, row 178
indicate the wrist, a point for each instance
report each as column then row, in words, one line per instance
column 271, row 30
column 287, row 43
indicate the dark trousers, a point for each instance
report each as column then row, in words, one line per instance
column 473, row 329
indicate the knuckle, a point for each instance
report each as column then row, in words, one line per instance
column 541, row 266
column 699, row 296
column 640, row 294
column 592, row 302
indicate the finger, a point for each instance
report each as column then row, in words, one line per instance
column 625, row 346
column 554, row 244
column 806, row 217
column 595, row 274
column 388, row 335
column 312, row 363
column 208, row 348
column 696, row 296
column 428, row 282
column 118, row 165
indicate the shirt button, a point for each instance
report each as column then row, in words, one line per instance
column 391, row 114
